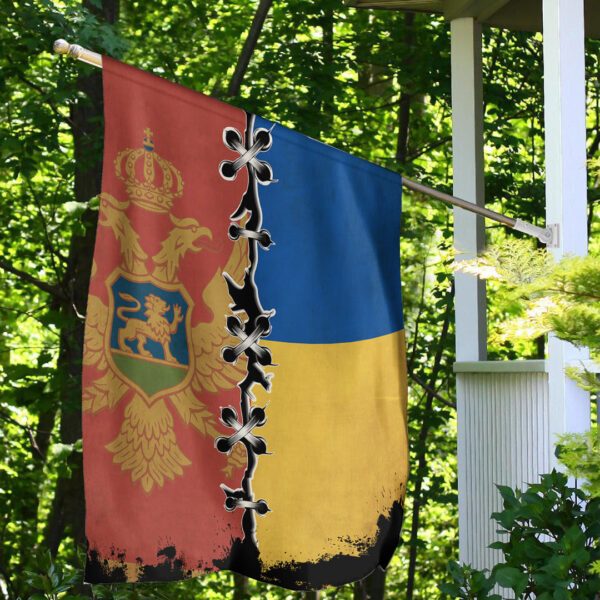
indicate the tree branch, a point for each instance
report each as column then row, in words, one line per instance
column 7, row 580
column 430, row 390
column 569, row 293
column 432, row 146
column 53, row 290
column 413, row 353
column 370, row 108
column 418, row 496
column 4, row 417
column 594, row 145
column 30, row 314
column 40, row 90
column 248, row 49
column 405, row 97
column 54, row 253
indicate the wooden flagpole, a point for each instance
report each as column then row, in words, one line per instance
column 548, row 236
column 78, row 52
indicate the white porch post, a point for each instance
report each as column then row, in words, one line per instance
column 509, row 411
column 469, row 239
column 566, row 184
column 467, row 150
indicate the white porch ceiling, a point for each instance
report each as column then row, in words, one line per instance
column 523, row 15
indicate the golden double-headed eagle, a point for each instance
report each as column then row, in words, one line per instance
column 146, row 444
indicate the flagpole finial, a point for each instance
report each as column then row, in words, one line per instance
column 76, row 51
column 61, row 46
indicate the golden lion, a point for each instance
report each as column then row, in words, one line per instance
column 156, row 327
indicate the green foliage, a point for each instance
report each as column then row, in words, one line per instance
column 329, row 71
column 553, row 534
column 50, row 581
column 554, row 531
column 516, row 262
column 552, row 539
column 341, row 75
column 540, row 296
column 468, row 583
column 580, row 454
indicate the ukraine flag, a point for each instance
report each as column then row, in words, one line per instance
column 337, row 409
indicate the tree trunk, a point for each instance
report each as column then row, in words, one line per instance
column 68, row 507
column 403, row 127
column 246, row 54
column 241, row 590
column 327, row 105
column 419, row 502
column 371, row 587
column 405, row 97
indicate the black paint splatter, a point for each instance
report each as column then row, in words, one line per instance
column 328, row 571
column 170, row 567
column 98, row 570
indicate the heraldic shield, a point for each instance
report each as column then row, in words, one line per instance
column 148, row 338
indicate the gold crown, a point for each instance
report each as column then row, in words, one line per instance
column 159, row 186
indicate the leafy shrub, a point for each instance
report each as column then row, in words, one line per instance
column 51, row 581
column 469, row 583
column 552, row 550
column 553, row 540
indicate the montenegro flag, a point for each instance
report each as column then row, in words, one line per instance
column 244, row 383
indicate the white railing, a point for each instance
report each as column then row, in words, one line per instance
column 503, row 438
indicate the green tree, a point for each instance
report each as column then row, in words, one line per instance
column 373, row 83
column 552, row 548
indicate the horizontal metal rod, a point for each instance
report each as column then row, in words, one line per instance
column 480, row 210
column 548, row 236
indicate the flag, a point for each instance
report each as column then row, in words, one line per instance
column 244, row 382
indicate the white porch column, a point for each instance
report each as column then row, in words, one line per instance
column 566, row 184
column 469, row 239
column 467, row 150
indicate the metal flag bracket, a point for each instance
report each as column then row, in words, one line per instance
column 550, row 235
